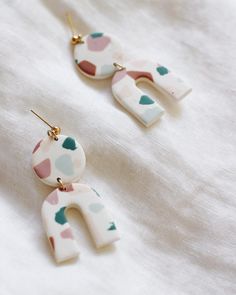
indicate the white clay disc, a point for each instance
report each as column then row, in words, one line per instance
column 63, row 158
column 95, row 57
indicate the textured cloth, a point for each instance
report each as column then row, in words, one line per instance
column 171, row 188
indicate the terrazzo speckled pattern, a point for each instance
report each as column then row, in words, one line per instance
column 95, row 57
column 63, row 158
column 59, row 232
column 143, row 107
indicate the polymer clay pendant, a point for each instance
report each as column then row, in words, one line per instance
column 59, row 232
column 96, row 55
column 63, row 157
column 99, row 56
column 59, row 161
column 142, row 106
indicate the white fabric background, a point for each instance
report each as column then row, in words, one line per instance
column 171, row 188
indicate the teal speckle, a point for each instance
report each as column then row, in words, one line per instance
column 96, row 35
column 69, row 143
column 112, row 226
column 60, row 216
column 76, row 61
column 162, row 71
column 65, row 165
column 145, row 100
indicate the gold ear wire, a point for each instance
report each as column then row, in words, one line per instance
column 76, row 38
column 118, row 66
column 61, row 184
column 54, row 129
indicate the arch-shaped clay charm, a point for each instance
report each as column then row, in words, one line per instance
column 100, row 223
column 143, row 107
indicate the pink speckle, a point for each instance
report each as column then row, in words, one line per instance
column 43, row 169
column 37, row 146
column 138, row 74
column 118, row 76
column 67, row 234
column 87, row 67
column 69, row 187
column 98, row 44
column 53, row 198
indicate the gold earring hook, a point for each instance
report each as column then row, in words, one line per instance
column 76, row 38
column 54, row 129
column 118, row 66
column 62, row 187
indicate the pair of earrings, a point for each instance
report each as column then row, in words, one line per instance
column 59, row 161
column 99, row 56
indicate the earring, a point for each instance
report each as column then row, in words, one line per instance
column 59, row 160
column 99, row 56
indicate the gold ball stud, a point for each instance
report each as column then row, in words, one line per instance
column 56, row 130
column 76, row 39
